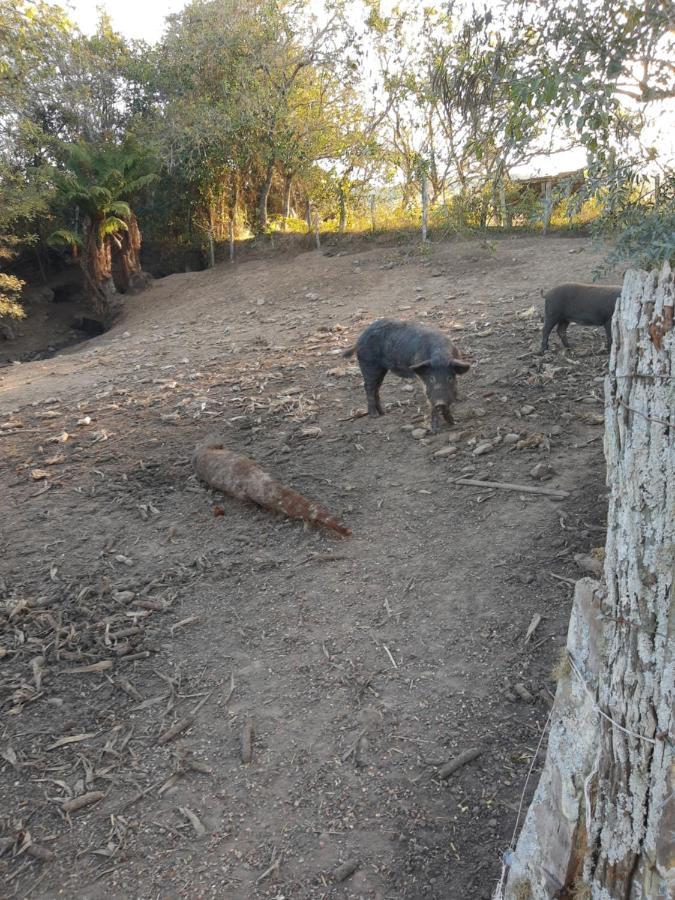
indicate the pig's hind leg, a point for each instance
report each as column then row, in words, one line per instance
column 549, row 324
column 373, row 376
column 561, row 328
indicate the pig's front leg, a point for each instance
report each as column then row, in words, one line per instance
column 447, row 415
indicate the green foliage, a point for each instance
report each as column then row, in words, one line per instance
column 474, row 65
column 276, row 97
column 65, row 237
column 601, row 89
column 23, row 198
column 646, row 232
column 250, row 105
column 99, row 181
column 10, row 296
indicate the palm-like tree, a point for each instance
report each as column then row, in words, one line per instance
column 100, row 182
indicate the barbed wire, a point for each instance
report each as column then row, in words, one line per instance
column 667, row 422
column 499, row 889
column 596, row 708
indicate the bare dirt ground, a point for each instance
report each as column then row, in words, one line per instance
column 364, row 665
column 50, row 320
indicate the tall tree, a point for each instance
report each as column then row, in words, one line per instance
column 98, row 184
column 250, row 93
column 473, row 64
column 56, row 86
column 600, row 70
column 33, row 38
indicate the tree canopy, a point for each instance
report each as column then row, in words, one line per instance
column 249, row 112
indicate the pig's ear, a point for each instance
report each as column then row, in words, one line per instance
column 459, row 366
column 420, row 367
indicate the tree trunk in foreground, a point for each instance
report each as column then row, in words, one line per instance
column 601, row 824
column 96, row 265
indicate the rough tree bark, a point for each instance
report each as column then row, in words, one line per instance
column 425, row 206
column 288, row 187
column 129, row 249
column 111, row 265
column 263, row 196
column 96, row 265
column 600, row 825
column 342, row 203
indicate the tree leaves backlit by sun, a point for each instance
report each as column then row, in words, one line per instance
column 251, row 116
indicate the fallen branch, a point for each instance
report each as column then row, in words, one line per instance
column 269, row 870
column 247, row 742
column 459, row 761
column 348, row 868
column 84, row 800
column 562, row 578
column 175, row 730
column 194, row 820
column 507, row 486
column 240, row 477
column 357, row 415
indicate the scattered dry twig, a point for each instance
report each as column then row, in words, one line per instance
column 459, row 761
column 247, row 742
column 176, row 729
column 194, row 820
column 346, row 869
column 84, row 800
column 506, row 486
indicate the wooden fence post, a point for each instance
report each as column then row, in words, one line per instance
column 315, row 223
column 425, row 206
column 548, row 205
column 600, row 823
column 506, row 222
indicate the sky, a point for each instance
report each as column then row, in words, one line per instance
column 132, row 18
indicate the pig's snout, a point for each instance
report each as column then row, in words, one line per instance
column 441, row 391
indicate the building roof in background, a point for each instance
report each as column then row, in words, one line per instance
column 575, row 175
column 550, row 165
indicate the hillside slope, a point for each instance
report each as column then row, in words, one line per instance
column 364, row 664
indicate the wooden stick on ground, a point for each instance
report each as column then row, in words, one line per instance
column 507, row 486
column 459, row 761
column 240, row 477
column 247, row 742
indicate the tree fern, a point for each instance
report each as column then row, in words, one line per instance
column 65, row 237
column 119, row 208
column 112, row 225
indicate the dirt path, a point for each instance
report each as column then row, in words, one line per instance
column 365, row 664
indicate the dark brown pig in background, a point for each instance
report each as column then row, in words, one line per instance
column 409, row 350
column 583, row 304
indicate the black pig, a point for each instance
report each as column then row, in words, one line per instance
column 584, row 304
column 409, row 350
